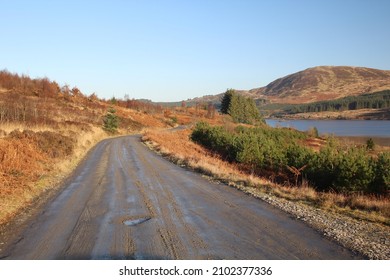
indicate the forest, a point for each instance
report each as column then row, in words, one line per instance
column 377, row 100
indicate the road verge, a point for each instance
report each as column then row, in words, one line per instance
column 366, row 237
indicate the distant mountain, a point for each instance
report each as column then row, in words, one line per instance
column 318, row 84
column 326, row 83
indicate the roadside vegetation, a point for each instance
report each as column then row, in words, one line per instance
column 280, row 153
column 111, row 121
column 178, row 147
column 297, row 166
column 46, row 129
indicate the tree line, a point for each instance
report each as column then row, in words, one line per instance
column 378, row 100
column 28, row 100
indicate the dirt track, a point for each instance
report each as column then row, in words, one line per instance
column 125, row 202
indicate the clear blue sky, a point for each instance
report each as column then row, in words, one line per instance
column 174, row 50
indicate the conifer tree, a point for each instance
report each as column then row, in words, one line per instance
column 226, row 99
column 111, row 121
column 241, row 109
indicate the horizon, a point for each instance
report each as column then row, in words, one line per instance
column 171, row 51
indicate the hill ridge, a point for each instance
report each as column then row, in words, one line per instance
column 318, row 83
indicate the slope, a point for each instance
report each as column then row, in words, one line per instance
column 315, row 84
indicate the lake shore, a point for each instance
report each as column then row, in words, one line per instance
column 361, row 114
column 362, row 140
column 347, row 128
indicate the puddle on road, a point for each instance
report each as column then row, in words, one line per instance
column 134, row 222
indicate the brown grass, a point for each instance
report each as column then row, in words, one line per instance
column 34, row 162
column 144, row 119
column 20, row 164
column 36, row 156
column 177, row 146
column 45, row 131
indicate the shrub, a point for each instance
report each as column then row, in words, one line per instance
column 52, row 144
column 268, row 150
column 313, row 132
column 111, row 121
column 321, row 168
column 381, row 183
column 249, row 150
column 354, row 171
column 216, row 139
column 370, row 145
column 298, row 156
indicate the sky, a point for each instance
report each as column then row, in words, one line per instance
column 175, row 50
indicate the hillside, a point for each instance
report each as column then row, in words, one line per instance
column 326, row 83
column 45, row 130
column 317, row 84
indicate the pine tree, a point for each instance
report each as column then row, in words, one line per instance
column 111, row 121
column 242, row 109
column 226, row 100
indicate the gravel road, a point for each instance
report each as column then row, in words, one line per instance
column 126, row 202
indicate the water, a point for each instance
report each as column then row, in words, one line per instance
column 372, row 128
column 135, row 222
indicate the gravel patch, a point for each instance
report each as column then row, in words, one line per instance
column 369, row 239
